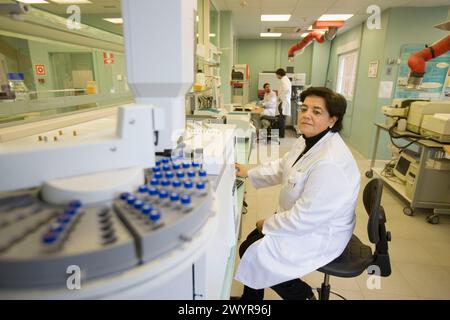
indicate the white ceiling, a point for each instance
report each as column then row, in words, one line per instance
column 246, row 19
column 247, row 24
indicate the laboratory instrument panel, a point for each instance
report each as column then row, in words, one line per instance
column 40, row 242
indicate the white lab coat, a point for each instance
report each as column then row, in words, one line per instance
column 269, row 103
column 315, row 216
column 284, row 95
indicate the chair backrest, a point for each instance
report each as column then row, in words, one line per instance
column 376, row 228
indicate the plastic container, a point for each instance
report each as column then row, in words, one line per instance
column 91, row 87
column 17, row 85
column 200, row 81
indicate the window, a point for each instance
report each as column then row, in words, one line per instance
column 213, row 24
column 37, row 77
column 347, row 73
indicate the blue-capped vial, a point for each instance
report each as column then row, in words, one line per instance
column 146, row 208
column 191, row 174
column 157, row 175
column 163, row 194
column 176, row 183
column 142, row 188
column 154, row 215
column 152, row 191
column 200, row 185
column 64, row 219
column 75, row 204
column 165, row 160
column 131, row 199
column 165, row 182
column 174, row 196
column 154, row 182
column 70, row 211
column 185, row 199
column 138, row 204
column 49, row 238
column 188, row 184
column 156, row 169
column 158, row 163
column 195, row 164
column 124, row 195
column 180, row 174
column 169, row 175
column 166, row 167
column 202, row 173
column 56, row 227
column 186, row 165
column 176, row 166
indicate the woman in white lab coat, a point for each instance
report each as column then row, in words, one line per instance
column 315, row 217
column 284, row 98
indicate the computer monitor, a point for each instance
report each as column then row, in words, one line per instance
column 403, row 164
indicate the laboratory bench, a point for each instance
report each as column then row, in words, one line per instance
column 243, row 151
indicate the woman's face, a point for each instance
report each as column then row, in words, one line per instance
column 314, row 117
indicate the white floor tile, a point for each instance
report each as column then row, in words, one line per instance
column 432, row 282
column 410, row 251
column 395, row 284
column 368, row 295
column 347, row 294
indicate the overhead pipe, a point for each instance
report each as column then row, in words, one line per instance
column 417, row 61
column 319, row 36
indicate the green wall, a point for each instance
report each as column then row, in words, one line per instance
column 320, row 63
column 269, row 55
column 399, row 26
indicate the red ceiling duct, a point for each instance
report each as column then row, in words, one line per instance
column 327, row 24
column 416, row 61
column 319, row 36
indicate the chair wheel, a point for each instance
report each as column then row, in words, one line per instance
column 369, row 174
column 433, row 219
column 408, row 211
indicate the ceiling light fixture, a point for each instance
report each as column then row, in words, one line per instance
column 335, row 17
column 275, row 17
column 114, row 20
column 270, row 34
column 72, row 1
column 33, row 1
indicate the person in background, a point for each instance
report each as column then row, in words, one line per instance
column 269, row 104
column 315, row 218
column 284, row 98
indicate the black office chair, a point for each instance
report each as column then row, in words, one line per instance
column 357, row 257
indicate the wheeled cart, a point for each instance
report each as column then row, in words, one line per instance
column 428, row 187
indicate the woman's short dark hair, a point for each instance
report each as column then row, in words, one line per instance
column 281, row 72
column 266, row 84
column 334, row 102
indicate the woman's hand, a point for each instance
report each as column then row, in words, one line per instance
column 241, row 170
column 260, row 224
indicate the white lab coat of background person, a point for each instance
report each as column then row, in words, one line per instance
column 284, row 95
column 269, row 104
column 315, row 216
